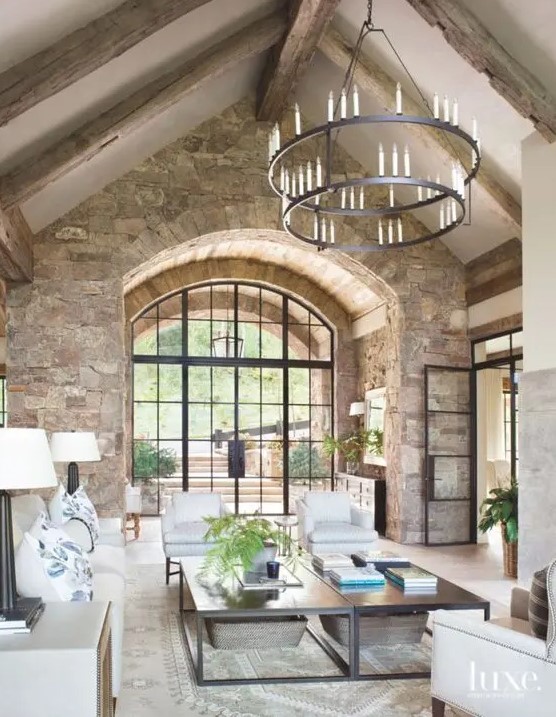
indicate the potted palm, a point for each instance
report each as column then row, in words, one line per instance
column 242, row 544
column 350, row 446
column 501, row 509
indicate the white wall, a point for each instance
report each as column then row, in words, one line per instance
column 539, row 252
column 495, row 308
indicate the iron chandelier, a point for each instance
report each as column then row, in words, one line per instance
column 316, row 193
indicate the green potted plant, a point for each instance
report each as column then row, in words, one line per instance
column 350, row 445
column 242, row 544
column 501, row 509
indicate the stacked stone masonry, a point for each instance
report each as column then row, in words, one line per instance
column 68, row 331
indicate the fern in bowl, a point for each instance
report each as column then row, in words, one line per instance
column 242, row 544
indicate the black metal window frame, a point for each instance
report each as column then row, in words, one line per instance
column 510, row 362
column 3, row 411
column 285, row 363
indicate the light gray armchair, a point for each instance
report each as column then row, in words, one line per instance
column 496, row 668
column 328, row 523
column 183, row 527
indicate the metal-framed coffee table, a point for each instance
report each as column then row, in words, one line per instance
column 391, row 601
column 212, row 599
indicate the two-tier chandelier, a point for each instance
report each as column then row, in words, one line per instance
column 325, row 205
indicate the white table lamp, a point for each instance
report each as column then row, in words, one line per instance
column 73, row 446
column 25, row 462
column 357, row 408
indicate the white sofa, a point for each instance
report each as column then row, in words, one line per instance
column 183, row 527
column 496, row 668
column 107, row 561
column 328, row 523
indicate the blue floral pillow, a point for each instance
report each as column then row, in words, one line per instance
column 64, row 564
column 64, row 507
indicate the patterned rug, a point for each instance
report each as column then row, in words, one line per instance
column 159, row 682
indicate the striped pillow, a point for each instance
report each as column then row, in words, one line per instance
column 538, row 604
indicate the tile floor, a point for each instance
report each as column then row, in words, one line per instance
column 477, row 568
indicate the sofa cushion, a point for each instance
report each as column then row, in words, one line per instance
column 340, row 533
column 193, row 507
column 328, row 506
column 51, row 566
column 64, row 506
column 187, row 533
column 538, row 604
column 108, row 559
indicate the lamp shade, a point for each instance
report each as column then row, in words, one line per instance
column 357, row 408
column 25, row 460
column 78, row 446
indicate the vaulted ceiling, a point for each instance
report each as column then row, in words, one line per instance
column 88, row 90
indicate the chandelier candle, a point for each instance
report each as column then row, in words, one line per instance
column 375, row 207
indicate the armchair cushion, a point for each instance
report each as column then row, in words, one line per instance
column 340, row 533
column 193, row 507
column 187, row 533
column 362, row 518
column 328, row 506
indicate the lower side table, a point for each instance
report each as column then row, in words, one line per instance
column 63, row 667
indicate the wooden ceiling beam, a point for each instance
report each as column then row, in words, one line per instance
column 290, row 59
column 470, row 38
column 132, row 113
column 16, row 247
column 85, row 50
column 373, row 80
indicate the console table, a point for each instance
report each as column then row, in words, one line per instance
column 366, row 493
column 63, row 667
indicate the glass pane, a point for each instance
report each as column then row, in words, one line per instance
column 251, row 336
column 517, row 342
column 249, row 384
column 170, row 420
column 223, row 418
column 299, row 428
column 170, row 338
column 299, row 385
column 199, row 421
column 223, row 384
column 145, row 459
column 198, row 304
column 145, row 420
column 448, row 391
column 170, row 462
column 272, row 306
column 498, row 346
column 320, row 422
column 449, row 522
column 271, row 341
column 145, row 382
column 299, row 342
column 273, row 385
column 272, row 459
column 449, row 434
column 198, row 383
column 170, row 382
column 144, row 337
column 272, row 419
column 199, row 338
column 250, row 419
column 321, row 385
column 171, row 307
column 299, row 462
column 479, row 352
column 297, row 314
column 452, row 478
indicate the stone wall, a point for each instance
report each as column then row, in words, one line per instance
column 67, row 337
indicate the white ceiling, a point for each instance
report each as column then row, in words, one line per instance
column 526, row 29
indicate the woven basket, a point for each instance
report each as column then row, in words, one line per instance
column 383, row 630
column 510, row 555
column 262, row 633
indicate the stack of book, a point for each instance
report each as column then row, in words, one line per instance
column 381, row 560
column 22, row 618
column 357, row 577
column 329, row 561
column 412, row 579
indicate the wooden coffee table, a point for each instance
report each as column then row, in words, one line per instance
column 391, row 600
column 212, row 599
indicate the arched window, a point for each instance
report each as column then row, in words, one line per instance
column 232, row 392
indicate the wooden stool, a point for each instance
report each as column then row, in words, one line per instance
column 136, row 527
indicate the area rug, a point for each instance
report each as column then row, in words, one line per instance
column 158, row 675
